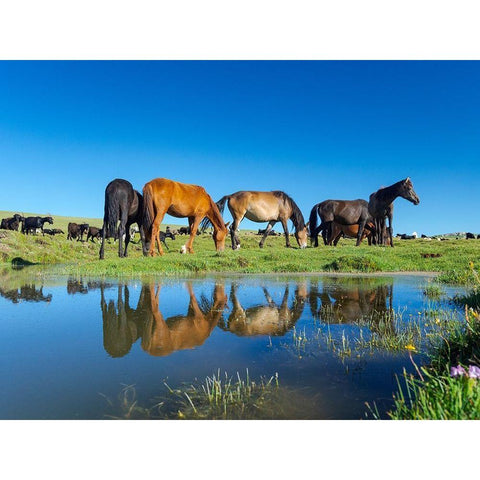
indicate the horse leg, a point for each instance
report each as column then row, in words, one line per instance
column 390, row 229
column 285, row 230
column 188, row 247
column 233, row 232
column 121, row 232
column 266, row 233
column 156, row 233
column 127, row 238
column 361, row 227
column 102, row 248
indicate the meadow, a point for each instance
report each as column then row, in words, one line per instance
column 450, row 258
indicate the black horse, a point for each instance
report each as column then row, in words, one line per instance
column 380, row 207
column 123, row 206
column 343, row 212
column 12, row 223
column 32, row 223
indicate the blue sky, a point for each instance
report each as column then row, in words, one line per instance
column 316, row 130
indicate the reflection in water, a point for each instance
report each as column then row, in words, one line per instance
column 122, row 325
column 162, row 337
column 269, row 319
column 75, row 285
column 29, row 293
column 120, row 322
column 340, row 302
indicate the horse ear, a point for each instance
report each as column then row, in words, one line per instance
column 307, row 224
column 227, row 224
column 407, row 180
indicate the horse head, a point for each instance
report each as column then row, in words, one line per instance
column 219, row 235
column 408, row 193
column 301, row 236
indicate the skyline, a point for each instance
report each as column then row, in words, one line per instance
column 316, row 130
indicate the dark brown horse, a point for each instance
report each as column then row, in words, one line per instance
column 123, row 206
column 271, row 207
column 180, row 200
column 342, row 212
column 380, row 207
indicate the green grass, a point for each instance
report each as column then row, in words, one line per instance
column 218, row 397
column 81, row 257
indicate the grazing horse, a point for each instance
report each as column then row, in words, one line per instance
column 342, row 212
column 12, row 223
column 32, row 223
column 123, row 205
column 380, row 206
column 180, row 200
column 271, row 207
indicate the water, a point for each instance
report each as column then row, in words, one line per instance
column 68, row 345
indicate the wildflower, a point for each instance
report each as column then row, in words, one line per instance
column 473, row 371
column 437, row 321
column 410, row 347
column 470, row 264
column 458, row 371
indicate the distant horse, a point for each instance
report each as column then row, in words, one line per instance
column 125, row 205
column 180, row 200
column 271, row 207
column 12, row 223
column 30, row 224
column 380, row 206
column 342, row 212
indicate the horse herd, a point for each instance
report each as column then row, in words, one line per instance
column 360, row 219
column 125, row 206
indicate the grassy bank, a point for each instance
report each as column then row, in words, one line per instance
column 449, row 387
column 449, row 258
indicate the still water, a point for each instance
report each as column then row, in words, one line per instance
column 68, row 344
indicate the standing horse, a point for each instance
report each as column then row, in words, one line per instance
column 343, row 212
column 180, row 200
column 271, row 207
column 380, row 206
column 125, row 205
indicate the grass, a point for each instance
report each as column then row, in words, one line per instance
column 82, row 257
column 218, row 397
column 432, row 394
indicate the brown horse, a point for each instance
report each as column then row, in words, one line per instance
column 380, row 207
column 350, row 231
column 271, row 207
column 343, row 212
column 180, row 200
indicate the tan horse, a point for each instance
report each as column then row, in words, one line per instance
column 163, row 337
column 271, row 207
column 180, row 200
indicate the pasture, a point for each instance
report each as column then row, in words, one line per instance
column 450, row 258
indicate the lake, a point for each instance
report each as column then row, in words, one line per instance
column 70, row 346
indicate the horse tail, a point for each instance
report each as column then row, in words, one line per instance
column 148, row 211
column 221, row 207
column 110, row 216
column 313, row 222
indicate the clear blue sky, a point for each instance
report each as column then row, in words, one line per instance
column 316, row 130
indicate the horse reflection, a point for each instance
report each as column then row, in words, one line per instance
column 28, row 293
column 120, row 322
column 349, row 303
column 269, row 319
column 163, row 337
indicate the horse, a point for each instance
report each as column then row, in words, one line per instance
column 271, row 207
column 12, row 223
column 350, row 231
column 124, row 204
column 30, row 224
column 180, row 200
column 380, row 206
column 342, row 212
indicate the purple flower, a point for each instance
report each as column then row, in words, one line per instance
column 473, row 371
column 458, row 371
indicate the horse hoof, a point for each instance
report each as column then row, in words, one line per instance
column 260, row 245
column 237, row 247
column 183, row 249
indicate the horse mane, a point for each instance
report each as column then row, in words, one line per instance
column 297, row 216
